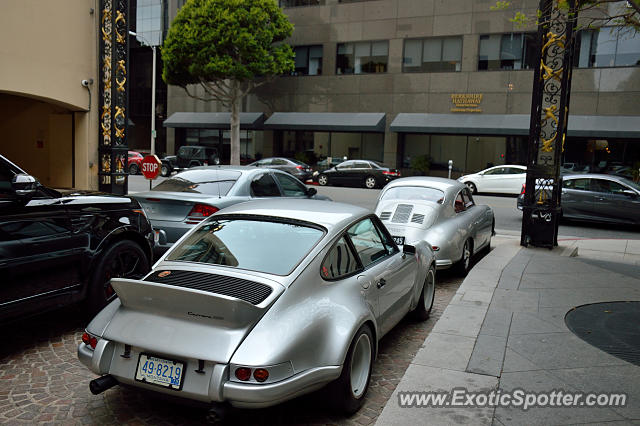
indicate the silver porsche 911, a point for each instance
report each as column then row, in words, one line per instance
column 260, row 303
column 441, row 212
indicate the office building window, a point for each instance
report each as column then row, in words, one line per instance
column 296, row 3
column 308, row 60
column 432, row 54
column 507, row 51
column 362, row 57
column 607, row 47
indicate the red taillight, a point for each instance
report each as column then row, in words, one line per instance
column 435, row 248
column 199, row 212
column 260, row 374
column 87, row 339
column 522, row 192
column 390, row 173
column 243, row 373
column 299, row 167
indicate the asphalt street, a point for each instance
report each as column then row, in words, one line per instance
column 508, row 217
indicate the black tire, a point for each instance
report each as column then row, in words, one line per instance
column 134, row 169
column 164, row 170
column 341, row 392
column 487, row 248
column 464, row 264
column 370, row 182
column 427, row 296
column 124, row 259
column 323, row 180
column 472, row 187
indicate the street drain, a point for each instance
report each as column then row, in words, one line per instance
column 613, row 327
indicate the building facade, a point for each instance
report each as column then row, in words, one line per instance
column 453, row 79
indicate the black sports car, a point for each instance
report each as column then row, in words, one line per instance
column 57, row 249
column 367, row 173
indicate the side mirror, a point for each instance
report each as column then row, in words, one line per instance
column 24, row 186
column 408, row 249
column 311, row 192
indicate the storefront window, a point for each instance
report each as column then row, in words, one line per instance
column 362, row 57
column 432, row 54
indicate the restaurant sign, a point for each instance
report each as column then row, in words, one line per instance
column 466, row 102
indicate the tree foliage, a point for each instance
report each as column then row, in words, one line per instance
column 625, row 14
column 227, row 48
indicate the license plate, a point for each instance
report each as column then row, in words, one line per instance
column 399, row 240
column 159, row 371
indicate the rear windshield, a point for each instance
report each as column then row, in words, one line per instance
column 249, row 244
column 420, row 193
column 209, row 182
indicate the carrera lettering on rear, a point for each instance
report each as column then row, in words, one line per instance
column 193, row 314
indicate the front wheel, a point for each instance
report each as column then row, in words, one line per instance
column 464, row 265
column 323, row 180
column 472, row 187
column 349, row 390
column 124, row 259
column 370, row 182
column 425, row 303
column 164, row 170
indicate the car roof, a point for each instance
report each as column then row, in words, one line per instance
column 330, row 214
column 442, row 184
column 591, row 176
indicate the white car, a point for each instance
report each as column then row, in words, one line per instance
column 505, row 179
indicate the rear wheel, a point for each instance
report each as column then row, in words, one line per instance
column 349, row 390
column 425, row 303
column 472, row 187
column 164, row 170
column 464, row 265
column 124, row 259
column 323, row 180
column 370, row 182
column 134, row 169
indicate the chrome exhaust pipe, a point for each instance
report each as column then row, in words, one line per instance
column 101, row 384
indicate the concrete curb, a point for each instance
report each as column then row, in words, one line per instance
column 443, row 362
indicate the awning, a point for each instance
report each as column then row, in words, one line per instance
column 214, row 120
column 328, row 121
column 597, row 126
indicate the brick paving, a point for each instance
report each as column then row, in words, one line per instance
column 42, row 381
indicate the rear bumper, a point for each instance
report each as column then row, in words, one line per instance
column 211, row 386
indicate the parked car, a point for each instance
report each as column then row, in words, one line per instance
column 367, row 173
column 169, row 164
column 441, row 212
column 598, row 197
column 179, row 203
column 261, row 303
column 294, row 167
column 506, row 179
column 189, row 156
column 57, row 249
column 134, row 161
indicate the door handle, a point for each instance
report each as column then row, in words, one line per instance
column 381, row 283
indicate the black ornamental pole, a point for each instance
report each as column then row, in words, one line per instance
column 548, row 124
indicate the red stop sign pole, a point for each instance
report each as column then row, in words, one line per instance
column 151, row 167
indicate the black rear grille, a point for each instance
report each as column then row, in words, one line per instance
column 249, row 291
column 402, row 213
column 417, row 218
column 385, row 215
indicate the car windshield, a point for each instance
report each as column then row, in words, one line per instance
column 249, row 244
column 414, row 193
column 210, row 182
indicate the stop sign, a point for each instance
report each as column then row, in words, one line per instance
column 151, row 167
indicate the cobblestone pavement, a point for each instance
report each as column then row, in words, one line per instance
column 42, row 381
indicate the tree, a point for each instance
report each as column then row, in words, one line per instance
column 625, row 14
column 227, row 48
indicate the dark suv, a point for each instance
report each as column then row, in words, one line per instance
column 190, row 156
column 57, row 249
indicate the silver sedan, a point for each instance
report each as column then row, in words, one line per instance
column 441, row 212
column 261, row 303
column 184, row 200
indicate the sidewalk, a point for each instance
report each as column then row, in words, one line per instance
column 505, row 329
